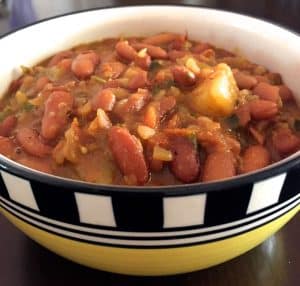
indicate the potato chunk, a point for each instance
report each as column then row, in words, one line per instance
column 217, row 94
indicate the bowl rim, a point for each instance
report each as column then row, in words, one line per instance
column 274, row 169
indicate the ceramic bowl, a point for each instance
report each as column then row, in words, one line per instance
column 153, row 230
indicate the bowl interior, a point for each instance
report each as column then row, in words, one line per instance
column 261, row 42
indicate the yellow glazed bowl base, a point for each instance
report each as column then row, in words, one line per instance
column 152, row 261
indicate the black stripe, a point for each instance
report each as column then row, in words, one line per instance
column 172, row 237
column 56, row 203
column 143, row 246
column 227, row 205
column 3, row 190
column 291, row 186
column 167, row 237
column 135, row 212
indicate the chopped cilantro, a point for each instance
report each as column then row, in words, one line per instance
column 4, row 113
column 98, row 79
column 155, row 89
column 28, row 106
column 232, row 121
column 154, row 66
column 164, row 85
column 193, row 138
column 26, row 70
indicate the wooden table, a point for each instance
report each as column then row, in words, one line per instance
column 275, row 262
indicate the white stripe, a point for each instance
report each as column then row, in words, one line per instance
column 170, row 242
column 265, row 193
column 152, row 234
column 191, row 209
column 95, row 209
column 19, row 190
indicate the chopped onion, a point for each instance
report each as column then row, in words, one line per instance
column 145, row 132
column 103, row 119
column 192, row 65
column 162, row 154
column 21, row 97
column 142, row 53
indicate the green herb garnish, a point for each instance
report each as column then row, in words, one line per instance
column 232, row 121
column 193, row 138
column 164, row 85
column 98, row 79
column 154, row 66
column 26, row 70
column 4, row 113
column 28, row 106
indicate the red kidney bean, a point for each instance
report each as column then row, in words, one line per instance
column 177, row 45
column 31, row 143
column 65, row 64
column 112, row 69
column 267, row 91
column 7, row 125
column 218, row 165
column 285, row 93
column 6, row 147
column 138, row 100
column 139, row 80
column 245, row 81
column 261, row 78
column 84, row 64
column 41, row 83
column 92, row 56
column 233, row 145
column 185, row 165
column 275, row 78
column 243, row 114
column 57, row 107
column 60, row 56
column 201, row 47
column 163, row 38
column 166, row 104
column 156, row 165
column 143, row 61
column 134, row 103
column 174, row 54
column 183, row 76
column 285, row 142
column 104, row 99
column 128, row 153
column 126, row 51
column 15, row 85
column 263, row 109
column 254, row 158
column 154, row 51
column 155, row 112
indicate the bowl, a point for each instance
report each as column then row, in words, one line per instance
column 151, row 230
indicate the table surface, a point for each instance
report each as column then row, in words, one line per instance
column 275, row 262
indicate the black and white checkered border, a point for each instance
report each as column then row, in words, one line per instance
column 148, row 212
